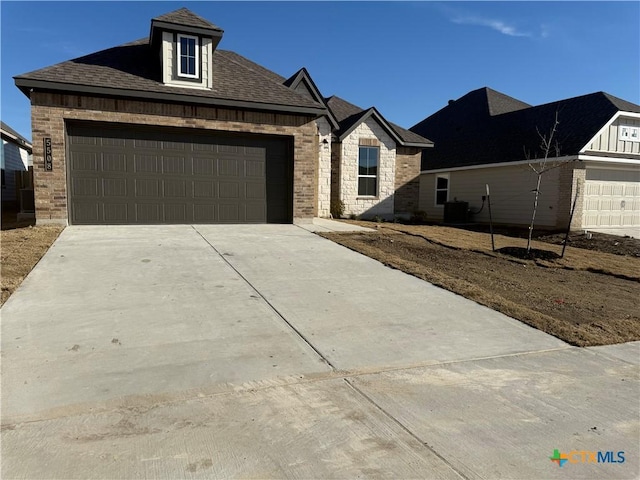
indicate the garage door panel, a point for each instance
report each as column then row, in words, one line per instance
column 114, row 162
column 255, row 168
column 84, row 187
column 255, row 213
column 229, row 212
column 145, row 187
column 116, row 212
column 174, row 188
column 229, row 190
column 86, row 213
column 114, row 187
column 204, row 214
column 83, row 140
column 204, row 166
column 147, row 164
column 204, row 190
column 255, row 191
column 174, row 165
column 147, row 213
column 81, row 161
column 142, row 175
column 228, row 167
column 174, row 213
column 611, row 198
column 144, row 143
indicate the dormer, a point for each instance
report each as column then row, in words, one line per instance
column 185, row 43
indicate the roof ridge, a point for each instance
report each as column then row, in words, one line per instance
column 171, row 17
column 266, row 77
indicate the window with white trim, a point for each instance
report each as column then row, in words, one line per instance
column 368, row 171
column 442, row 189
column 628, row 133
column 188, row 50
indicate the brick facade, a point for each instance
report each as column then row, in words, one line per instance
column 407, row 182
column 49, row 111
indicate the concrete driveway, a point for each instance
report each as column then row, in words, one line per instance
column 268, row 352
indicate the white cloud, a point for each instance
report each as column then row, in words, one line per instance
column 497, row 25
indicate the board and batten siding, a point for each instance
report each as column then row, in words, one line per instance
column 169, row 63
column 609, row 141
column 511, row 189
column 14, row 159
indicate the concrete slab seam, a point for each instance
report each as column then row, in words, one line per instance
column 608, row 357
column 404, row 428
column 198, row 393
column 271, row 306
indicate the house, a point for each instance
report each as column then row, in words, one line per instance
column 15, row 157
column 173, row 129
column 488, row 138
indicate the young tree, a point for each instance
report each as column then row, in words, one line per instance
column 549, row 145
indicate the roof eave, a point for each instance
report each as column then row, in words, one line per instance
column 372, row 112
column 419, row 145
column 26, row 85
column 211, row 32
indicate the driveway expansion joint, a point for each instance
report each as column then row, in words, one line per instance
column 393, row 419
column 271, row 306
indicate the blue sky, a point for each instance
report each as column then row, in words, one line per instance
column 406, row 58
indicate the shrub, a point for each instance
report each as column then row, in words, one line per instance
column 337, row 208
column 419, row 217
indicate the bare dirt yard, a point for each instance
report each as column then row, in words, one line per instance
column 589, row 297
column 22, row 248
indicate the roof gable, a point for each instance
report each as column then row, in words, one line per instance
column 186, row 18
column 350, row 116
column 465, row 138
column 302, row 79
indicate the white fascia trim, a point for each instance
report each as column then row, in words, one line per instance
column 566, row 158
column 607, row 125
column 593, row 158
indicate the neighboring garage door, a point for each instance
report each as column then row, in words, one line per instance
column 611, row 198
column 138, row 175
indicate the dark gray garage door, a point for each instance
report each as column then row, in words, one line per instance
column 137, row 175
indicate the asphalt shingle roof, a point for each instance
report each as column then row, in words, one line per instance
column 348, row 114
column 133, row 66
column 186, row 17
column 466, row 133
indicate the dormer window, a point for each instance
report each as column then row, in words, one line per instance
column 188, row 53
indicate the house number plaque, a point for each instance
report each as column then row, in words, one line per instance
column 48, row 157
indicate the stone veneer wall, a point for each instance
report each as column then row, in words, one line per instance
column 324, row 167
column 382, row 205
column 49, row 111
column 407, row 180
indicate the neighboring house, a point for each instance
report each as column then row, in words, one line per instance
column 486, row 137
column 171, row 129
column 15, row 158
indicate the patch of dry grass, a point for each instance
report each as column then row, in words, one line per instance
column 587, row 298
column 22, row 249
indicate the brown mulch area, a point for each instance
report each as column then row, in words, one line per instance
column 586, row 298
column 22, row 248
